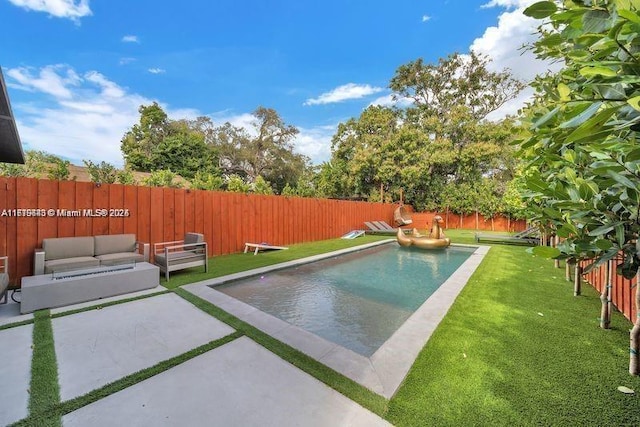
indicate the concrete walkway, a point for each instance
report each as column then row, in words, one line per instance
column 238, row 383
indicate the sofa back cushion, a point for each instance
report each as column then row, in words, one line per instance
column 193, row 238
column 67, row 247
column 114, row 244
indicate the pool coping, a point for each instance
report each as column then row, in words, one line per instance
column 385, row 370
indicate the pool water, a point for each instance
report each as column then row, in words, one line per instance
column 357, row 300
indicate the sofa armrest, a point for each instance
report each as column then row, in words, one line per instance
column 144, row 247
column 38, row 262
column 4, row 268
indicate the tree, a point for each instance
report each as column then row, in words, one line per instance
column 236, row 184
column 265, row 150
column 162, row 178
column 206, row 181
column 103, row 172
column 138, row 144
column 158, row 143
column 458, row 80
column 582, row 140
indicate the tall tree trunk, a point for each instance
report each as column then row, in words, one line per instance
column 446, row 219
column 605, row 299
column 634, row 335
column 556, row 241
column 577, row 279
column 567, row 270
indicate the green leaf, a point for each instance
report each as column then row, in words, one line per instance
column 634, row 102
column 628, row 15
column 540, row 10
column 597, row 71
column 604, row 244
column 596, row 21
column 604, row 229
column 582, row 117
column 621, row 179
column 564, row 92
column 620, row 234
column 544, row 119
column 546, row 251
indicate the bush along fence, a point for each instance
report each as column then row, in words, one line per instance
column 35, row 209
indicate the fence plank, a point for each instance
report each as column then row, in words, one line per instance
column 116, row 209
column 100, row 223
column 66, row 201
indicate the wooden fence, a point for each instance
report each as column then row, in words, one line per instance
column 34, row 209
column 470, row 222
column 622, row 290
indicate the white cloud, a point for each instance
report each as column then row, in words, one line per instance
column 54, row 80
column 509, row 4
column 77, row 116
column 70, row 9
column 130, row 39
column 503, row 44
column 126, row 60
column 425, row 18
column 388, row 101
column 157, row 70
column 344, row 93
column 315, row 142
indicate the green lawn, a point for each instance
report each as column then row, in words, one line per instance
column 517, row 348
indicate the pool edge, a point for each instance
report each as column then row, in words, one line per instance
column 385, row 370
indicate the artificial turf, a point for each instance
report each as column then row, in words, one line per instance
column 517, row 348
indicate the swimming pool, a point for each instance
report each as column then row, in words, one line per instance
column 357, row 300
column 383, row 371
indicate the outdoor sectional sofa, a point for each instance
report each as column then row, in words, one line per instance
column 69, row 253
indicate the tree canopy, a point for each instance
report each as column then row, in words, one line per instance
column 441, row 151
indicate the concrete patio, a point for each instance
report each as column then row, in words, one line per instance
column 238, row 383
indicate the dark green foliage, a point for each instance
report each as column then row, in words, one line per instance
column 582, row 140
column 441, row 143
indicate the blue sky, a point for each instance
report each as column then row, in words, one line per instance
column 77, row 70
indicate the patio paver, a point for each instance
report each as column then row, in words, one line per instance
column 239, row 383
column 15, row 373
column 97, row 347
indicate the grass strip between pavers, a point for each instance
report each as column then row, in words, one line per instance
column 56, row 411
column 354, row 391
column 44, row 391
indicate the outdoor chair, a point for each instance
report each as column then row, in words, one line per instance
column 4, row 279
column 181, row 254
column 401, row 216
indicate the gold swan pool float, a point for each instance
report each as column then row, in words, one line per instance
column 436, row 238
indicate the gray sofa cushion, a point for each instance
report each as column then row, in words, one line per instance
column 114, row 244
column 180, row 257
column 119, row 258
column 67, row 247
column 193, row 238
column 70, row 264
